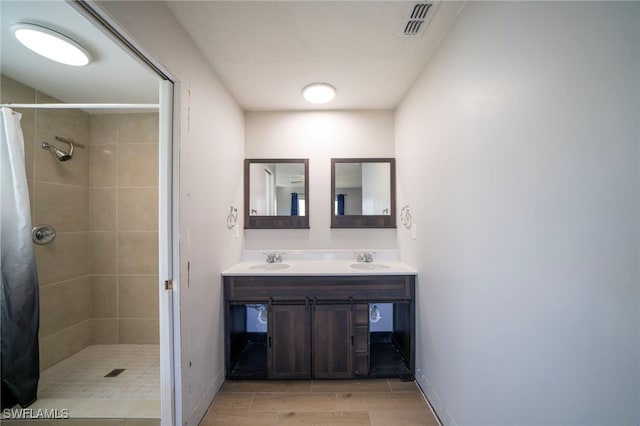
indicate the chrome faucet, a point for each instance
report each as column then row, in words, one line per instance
column 274, row 257
column 365, row 257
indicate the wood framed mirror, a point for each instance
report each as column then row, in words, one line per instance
column 363, row 193
column 276, row 193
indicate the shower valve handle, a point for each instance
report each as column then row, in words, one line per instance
column 43, row 234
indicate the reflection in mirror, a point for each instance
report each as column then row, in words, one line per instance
column 363, row 193
column 277, row 189
column 362, row 189
column 276, row 193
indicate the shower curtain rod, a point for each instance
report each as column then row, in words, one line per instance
column 83, row 106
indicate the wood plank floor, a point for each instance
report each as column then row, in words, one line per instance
column 380, row 402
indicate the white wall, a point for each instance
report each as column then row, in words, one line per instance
column 518, row 151
column 211, row 150
column 319, row 136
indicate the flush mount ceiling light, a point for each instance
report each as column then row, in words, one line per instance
column 319, row 93
column 51, row 44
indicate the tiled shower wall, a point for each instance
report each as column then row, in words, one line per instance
column 123, row 205
column 98, row 279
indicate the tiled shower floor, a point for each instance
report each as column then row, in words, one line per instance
column 78, row 383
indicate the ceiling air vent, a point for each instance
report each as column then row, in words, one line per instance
column 416, row 21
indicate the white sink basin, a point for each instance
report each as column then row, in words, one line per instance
column 270, row 266
column 368, row 266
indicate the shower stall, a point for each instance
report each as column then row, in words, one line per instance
column 98, row 265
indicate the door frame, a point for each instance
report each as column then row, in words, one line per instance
column 168, row 258
column 168, row 220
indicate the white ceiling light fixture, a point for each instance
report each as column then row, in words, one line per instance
column 51, row 44
column 319, row 93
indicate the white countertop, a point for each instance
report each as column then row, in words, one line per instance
column 319, row 262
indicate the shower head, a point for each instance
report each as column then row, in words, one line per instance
column 61, row 155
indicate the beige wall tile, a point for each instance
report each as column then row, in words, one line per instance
column 43, row 98
column 102, row 165
column 63, row 206
column 138, row 296
column 58, row 346
column 102, row 209
column 105, row 331
column 66, row 123
column 30, row 185
column 62, row 265
column 132, row 163
column 64, row 304
column 49, row 169
column 138, row 128
column 103, row 253
column 137, row 252
column 65, row 258
column 29, row 135
column 122, row 152
column 103, row 129
column 27, row 119
column 12, row 91
column 137, row 165
column 139, row 331
column 138, row 209
column 104, row 296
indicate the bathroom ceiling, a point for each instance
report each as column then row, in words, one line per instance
column 264, row 51
column 112, row 77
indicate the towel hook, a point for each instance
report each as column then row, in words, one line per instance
column 232, row 219
column 405, row 216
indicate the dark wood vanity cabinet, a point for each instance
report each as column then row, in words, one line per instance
column 288, row 342
column 333, row 340
column 318, row 327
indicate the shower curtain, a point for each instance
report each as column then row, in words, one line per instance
column 19, row 310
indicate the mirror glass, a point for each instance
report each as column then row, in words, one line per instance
column 362, row 189
column 277, row 189
column 363, row 192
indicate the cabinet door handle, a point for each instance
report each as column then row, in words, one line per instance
column 351, row 340
column 269, row 341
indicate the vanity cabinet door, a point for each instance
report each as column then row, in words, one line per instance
column 288, row 342
column 332, row 341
